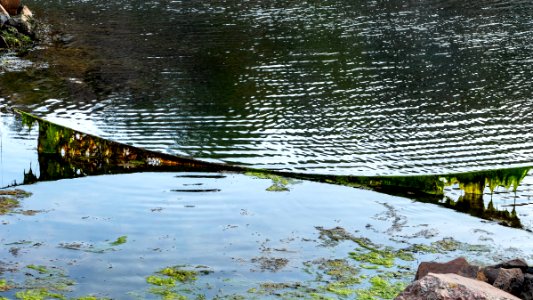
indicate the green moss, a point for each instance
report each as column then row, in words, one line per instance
column 14, row 39
column 119, row 241
column 90, row 298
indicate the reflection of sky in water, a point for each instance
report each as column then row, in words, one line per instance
column 221, row 230
column 18, row 150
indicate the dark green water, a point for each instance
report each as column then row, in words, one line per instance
column 343, row 87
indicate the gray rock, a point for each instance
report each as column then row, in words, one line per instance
column 452, row 286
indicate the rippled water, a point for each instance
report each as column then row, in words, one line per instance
column 344, row 87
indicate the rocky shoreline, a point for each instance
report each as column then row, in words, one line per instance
column 18, row 28
column 457, row 279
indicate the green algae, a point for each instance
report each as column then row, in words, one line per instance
column 176, row 282
column 119, row 241
column 86, row 247
column 279, row 183
column 10, row 200
column 39, row 268
column 5, row 286
column 161, row 281
column 167, row 294
column 38, row 294
column 179, row 274
column 380, row 289
column 7, row 205
column 377, row 258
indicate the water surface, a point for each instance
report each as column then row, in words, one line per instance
column 230, row 232
column 342, row 87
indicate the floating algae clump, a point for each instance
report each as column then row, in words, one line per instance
column 38, row 294
column 380, row 288
column 5, row 286
column 279, row 183
column 161, row 281
column 10, row 200
column 179, row 274
column 120, row 240
column 165, row 281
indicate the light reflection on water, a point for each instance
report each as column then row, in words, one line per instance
column 362, row 87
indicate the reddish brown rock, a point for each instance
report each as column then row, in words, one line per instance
column 491, row 273
column 510, row 280
column 452, row 286
column 3, row 11
column 11, row 6
column 514, row 263
column 457, row 266
column 527, row 287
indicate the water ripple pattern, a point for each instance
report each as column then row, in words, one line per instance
column 339, row 87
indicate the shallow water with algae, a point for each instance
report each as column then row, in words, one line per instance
column 144, row 236
column 191, row 235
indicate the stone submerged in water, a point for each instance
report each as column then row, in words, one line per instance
column 513, row 277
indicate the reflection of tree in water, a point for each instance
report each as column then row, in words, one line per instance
column 66, row 153
column 474, row 205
